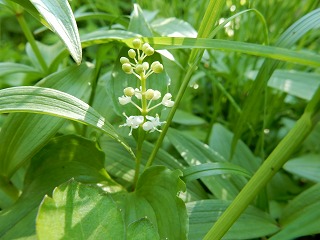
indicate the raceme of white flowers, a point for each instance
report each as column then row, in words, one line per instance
column 142, row 70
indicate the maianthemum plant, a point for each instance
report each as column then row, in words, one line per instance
column 155, row 130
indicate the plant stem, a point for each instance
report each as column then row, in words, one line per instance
column 141, row 133
column 31, row 40
column 268, row 169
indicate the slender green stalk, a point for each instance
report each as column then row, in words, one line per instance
column 211, row 16
column 268, row 169
column 31, row 40
column 9, row 189
column 141, row 132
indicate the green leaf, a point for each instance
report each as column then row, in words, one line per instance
column 59, row 16
column 77, row 211
column 155, row 197
column 253, row 223
column 295, row 83
column 23, row 134
column 306, row 166
column 138, row 23
column 301, row 216
column 273, row 52
column 195, row 152
column 185, row 118
column 210, row 169
column 61, row 159
column 55, row 103
column 221, row 140
column 9, row 68
column 142, row 229
column 173, row 27
column 85, row 212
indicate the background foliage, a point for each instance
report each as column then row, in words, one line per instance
column 247, row 107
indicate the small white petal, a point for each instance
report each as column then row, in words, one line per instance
column 124, row 100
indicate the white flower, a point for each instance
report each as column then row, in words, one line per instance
column 133, row 122
column 156, row 95
column 137, row 93
column 152, row 124
column 124, row 100
column 166, row 100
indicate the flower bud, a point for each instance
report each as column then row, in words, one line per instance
column 149, row 94
column 136, row 43
column 139, row 68
column 127, row 68
column 124, row 60
column 128, row 91
column 149, row 51
column 145, row 46
column 132, row 53
column 145, row 66
column 157, row 67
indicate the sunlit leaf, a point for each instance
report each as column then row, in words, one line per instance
column 55, row 103
column 59, row 16
column 61, row 159
column 23, row 134
column 77, row 211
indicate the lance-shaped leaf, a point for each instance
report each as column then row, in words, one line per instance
column 55, row 103
column 59, row 16
column 23, row 134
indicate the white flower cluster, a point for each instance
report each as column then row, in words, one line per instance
column 142, row 70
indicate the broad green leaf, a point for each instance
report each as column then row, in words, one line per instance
column 138, row 23
column 59, row 16
column 301, row 216
column 61, row 159
column 210, row 169
column 142, row 229
column 56, row 103
column 253, row 223
column 48, row 52
column 77, row 211
column 9, row 68
column 300, row 84
column 155, row 197
column 295, row 83
column 23, row 134
column 305, row 166
column 185, row 118
column 194, row 153
column 83, row 212
column 221, row 140
column 173, row 27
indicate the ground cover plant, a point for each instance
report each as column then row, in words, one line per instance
column 159, row 119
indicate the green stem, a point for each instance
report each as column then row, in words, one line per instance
column 141, row 133
column 268, row 169
column 31, row 40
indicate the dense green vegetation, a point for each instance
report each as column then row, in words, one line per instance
column 159, row 119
